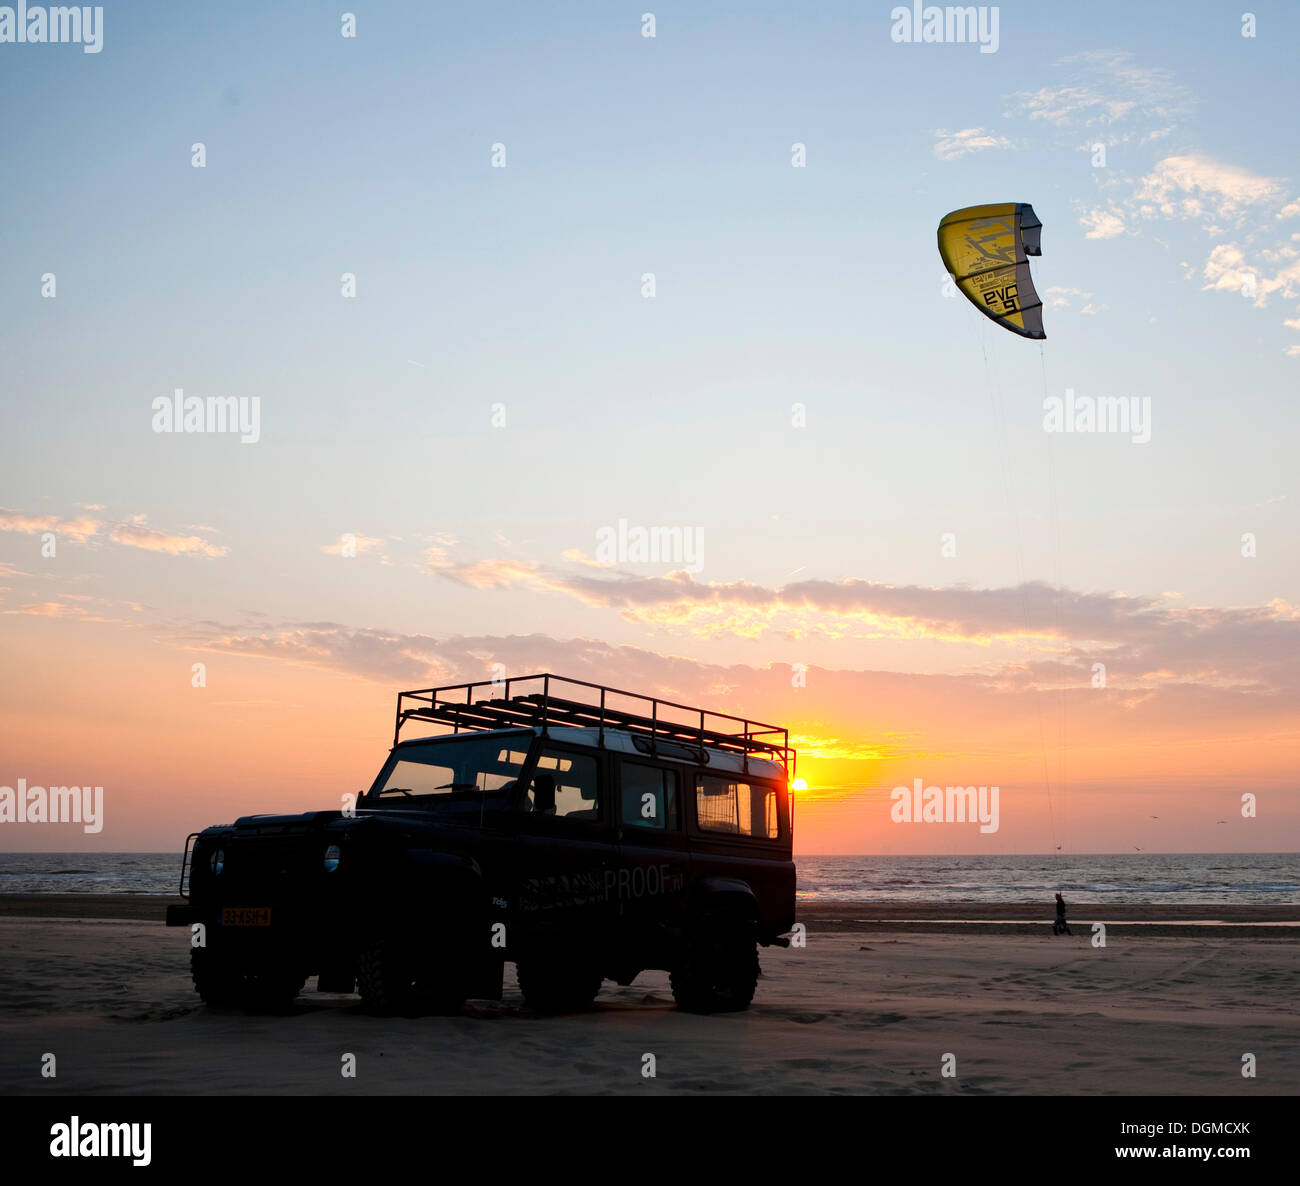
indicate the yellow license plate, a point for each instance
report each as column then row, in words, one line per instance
column 246, row 916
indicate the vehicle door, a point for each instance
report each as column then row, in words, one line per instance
column 654, row 858
column 565, row 848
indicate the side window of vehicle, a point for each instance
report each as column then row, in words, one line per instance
column 649, row 797
column 565, row 786
column 747, row 809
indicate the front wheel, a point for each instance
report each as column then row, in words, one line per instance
column 718, row 969
column 394, row 980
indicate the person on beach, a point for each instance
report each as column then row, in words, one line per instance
column 1060, row 925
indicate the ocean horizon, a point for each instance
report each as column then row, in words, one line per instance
column 1169, row 878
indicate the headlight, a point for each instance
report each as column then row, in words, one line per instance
column 332, row 855
column 218, row 861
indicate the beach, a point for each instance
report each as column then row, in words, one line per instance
column 873, row 1002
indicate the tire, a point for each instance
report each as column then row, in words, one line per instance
column 553, row 985
column 394, row 981
column 269, row 986
column 718, row 970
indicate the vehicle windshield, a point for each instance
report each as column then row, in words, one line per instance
column 445, row 770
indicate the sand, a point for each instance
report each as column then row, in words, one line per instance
column 865, row 1007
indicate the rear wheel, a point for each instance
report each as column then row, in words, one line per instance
column 718, row 969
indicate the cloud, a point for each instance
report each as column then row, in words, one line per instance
column 80, row 528
column 1108, row 96
column 132, row 535
column 951, row 145
column 1219, row 196
column 578, row 556
column 1196, row 186
column 1225, row 674
column 1177, row 675
column 1102, row 224
column 1227, row 270
column 45, row 609
column 1112, row 98
column 494, row 574
column 1107, row 93
column 1064, row 104
column 70, row 607
column 1058, row 297
column 1159, row 634
column 1229, row 649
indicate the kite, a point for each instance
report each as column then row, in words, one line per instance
column 985, row 250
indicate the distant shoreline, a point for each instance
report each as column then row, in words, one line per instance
column 956, row 917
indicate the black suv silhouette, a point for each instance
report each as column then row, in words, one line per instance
column 584, row 836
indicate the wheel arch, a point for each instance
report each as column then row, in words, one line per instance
column 726, row 896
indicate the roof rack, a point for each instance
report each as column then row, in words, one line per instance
column 569, row 703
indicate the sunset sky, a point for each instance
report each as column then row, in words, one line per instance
column 485, row 294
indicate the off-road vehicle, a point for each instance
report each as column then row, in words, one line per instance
column 580, row 832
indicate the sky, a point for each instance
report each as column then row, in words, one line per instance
column 686, row 282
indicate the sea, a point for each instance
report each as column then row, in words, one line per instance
column 1140, row 878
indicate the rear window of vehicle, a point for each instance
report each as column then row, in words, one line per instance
column 746, row 809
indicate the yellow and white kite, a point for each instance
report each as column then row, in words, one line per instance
column 984, row 249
